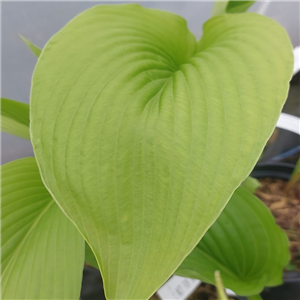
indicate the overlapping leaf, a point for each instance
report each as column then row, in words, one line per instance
column 42, row 252
column 15, row 118
column 245, row 244
column 142, row 134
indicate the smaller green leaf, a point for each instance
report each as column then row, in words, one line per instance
column 229, row 7
column 245, row 244
column 251, row 184
column 238, row 6
column 41, row 250
column 36, row 50
column 15, row 118
column 90, row 257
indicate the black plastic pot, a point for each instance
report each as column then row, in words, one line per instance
column 290, row 289
column 273, row 170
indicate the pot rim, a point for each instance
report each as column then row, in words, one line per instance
column 273, row 170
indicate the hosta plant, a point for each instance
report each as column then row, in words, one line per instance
column 141, row 136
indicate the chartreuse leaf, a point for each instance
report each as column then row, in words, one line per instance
column 15, row 118
column 223, row 7
column 42, row 251
column 36, row 50
column 245, row 244
column 142, row 134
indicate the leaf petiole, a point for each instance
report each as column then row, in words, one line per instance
column 220, row 288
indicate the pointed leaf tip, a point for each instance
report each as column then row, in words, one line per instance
column 36, row 50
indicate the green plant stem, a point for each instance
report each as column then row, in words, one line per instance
column 255, row 297
column 295, row 177
column 220, row 287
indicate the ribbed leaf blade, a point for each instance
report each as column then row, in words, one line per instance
column 42, row 251
column 142, row 135
column 15, row 118
column 245, row 244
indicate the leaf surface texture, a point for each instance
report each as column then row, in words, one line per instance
column 142, row 133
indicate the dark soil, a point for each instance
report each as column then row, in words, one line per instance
column 284, row 203
column 206, row 292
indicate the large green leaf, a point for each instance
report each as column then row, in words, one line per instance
column 15, row 118
column 142, row 135
column 245, row 244
column 42, row 252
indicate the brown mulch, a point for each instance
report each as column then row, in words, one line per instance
column 285, row 206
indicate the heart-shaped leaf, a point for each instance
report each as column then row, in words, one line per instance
column 245, row 244
column 142, row 134
column 15, row 118
column 42, row 251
